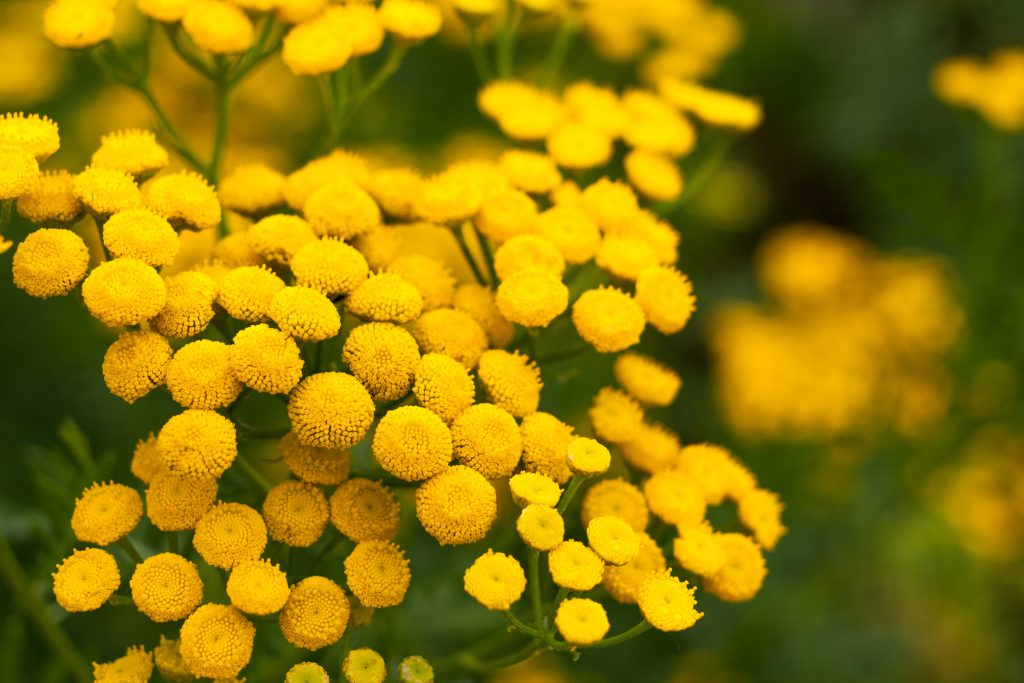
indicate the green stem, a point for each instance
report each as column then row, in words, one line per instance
column 186, row 53
column 477, row 665
column 506, row 43
column 479, row 57
column 711, row 162
column 642, row 627
column 223, row 94
column 386, row 70
column 118, row 600
column 129, row 547
column 570, row 491
column 518, row 623
column 6, row 212
column 172, row 542
column 345, row 641
column 254, row 474
column 258, row 53
column 533, row 567
column 488, row 256
column 464, row 246
column 559, row 51
column 564, row 355
column 327, row 96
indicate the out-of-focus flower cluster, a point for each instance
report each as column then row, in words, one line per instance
column 993, row 87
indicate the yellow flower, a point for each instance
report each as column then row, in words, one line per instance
column 530, row 171
column 540, row 527
column 506, row 213
column 385, row 297
column 613, row 539
column 330, row 410
column 166, row 587
column 365, row 510
column 742, row 573
column 447, row 198
column 136, row 364
column 410, row 20
column 575, row 566
column 189, row 308
column 624, row 583
column 175, row 502
column 246, row 292
column 266, row 360
column 218, row 27
column 278, row 237
column 76, row 24
column 383, row 357
column 295, row 513
column 198, row 442
column 257, row 587
column 341, row 210
column 169, row 663
column 230, row 533
column 166, row 11
column 231, row 252
column 610, row 204
column 486, row 438
column 528, row 251
column 443, row 385
column 430, row 277
column 451, row 332
column 668, row 603
column 412, row 443
column 532, row 488
column 675, row 498
column 511, row 380
column 666, row 297
column 146, row 460
column 521, row 110
column 315, row 614
column 307, row 672
column 85, row 581
column 106, row 513
column 51, row 199
column 714, row 107
column 653, row 447
column 19, row 173
column 184, row 198
column 624, row 257
column 596, row 106
column 359, row 23
column 305, row 314
column 396, row 190
column 124, row 291
column 253, row 189
column 364, row 665
column 532, row 297
column 608, row 319
column 415, row 669
column 654, row 126
column 545, row 443
column 479, row 302
column 329, row 266
column 495, row 580
column 315, row 465
column 340, row 165
column 377, row 573
column 615, row 498
column 697, row 550
column 615, row 416
column 588, row 457
column 135, row 666
column 647, row 380
column 136, row 152
column 216, row 641
column 314, row 48
column 656, row 177
column 105, row 191
column 761, row 511
column 581, row 621
column 141, row 234
column 578, row 146
column 457, row 506
column 31, row 133
column 200, row 376
column 715, row 471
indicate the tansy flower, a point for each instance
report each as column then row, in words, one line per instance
column 124, row 291
column 31, row 133
column 218, row 27
column 443, row 385
column 597, row 106
column 200, row 376
column 364, row 665
column 85, row 581
column 655, row 176
column 652, row 448
column 415, row 669
column 307, row 672
column 146, row 460
column 530, row 171
column 314, row 48
column 531, row 488
column 189, row 308
column 198, row 442
column 581, row 621
column 230, row 533
column 486, row 438
column 572, row 232
column 141, row 234
column 451, row 332
column 495, row 580
column 315, row 465
column 613, row 539
column 234, row 251
column 295, row 513
column 511, row 380
column 575, row 566
column 266, row 360
column 742, row 573
column 457, row 506
column 715, row 471
column 410, row 20
column 339, row 166
column 330, row 410
column 545, row 442
column 647, row 380
column 610, row 203
column 528, row 251
column 540, row 527
column 668, row 603
column 77, row 24
column 578, row 146
column 105, row 191
column 359, row 23
column 185, row 199
column 666, row 297
column 377, row 573
column 169, row 663
column 675, row 498
column 383, row 357
column 505, row 214
column 277, row 238
column 330, row 266
column 430, row 277
column 135, row 665
column 624, row 583
column 615, row 416
column 587, row 457
column 106, row 513
column 395, row 189
column 365, row 510
column 385, row 297
column 257, row 587
column 246, row 292
column 412, row 443
column 714, row 107
column 315, row 614
column 697, row 550
column 447, row 198
column 175, row 502
column 479, row 302
column 136, row 364
column 166, row 587
column 532, row 297
column 608, row 319
column 615, row 498
column 51, row 199
column 216, row 641
column 625, row 257
column 522, row 111
column 252, row 189
column 654, row 126
column 167, row 11
column 475, row 11
column 136, row 152
column 341, row 210
column 19, row 172
column 760, row 511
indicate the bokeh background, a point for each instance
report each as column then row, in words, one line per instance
column 905, row 556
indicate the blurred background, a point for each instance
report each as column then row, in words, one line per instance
column 868, row 371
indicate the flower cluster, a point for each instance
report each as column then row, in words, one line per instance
column 993, row 87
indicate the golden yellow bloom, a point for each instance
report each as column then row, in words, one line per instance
column 575, row 566
column 175, row 502
column 396, row 190
column 135, row 666
column 608, row 319
column 329, row 266
column 230, row 533
column 295, row 513
column 545, row 443
column 278, row 237
column 742, row 574
column 457, row 506
column 218, row 27
column 697, row 550
column 359, row 23
column 340, row 165
column 19, row 172
column 430, row 277
column 625, row 257
column 653, row 448
column 330, row 410
column 146, row 459
column 266, row 360
column 581, row 621
column 761, row 511
column 714, row 107
column 141, row 234
column 511, row 380
column 506, row 213
column 540, row 527
column 189, row 307
column 85, row 580
column 624, row 583
column 528, row 251
column 257, row 587
column 76, row 24
column 136, row 152
column 124, row 291
column 230, row 252
column 570, row 229
column 169, row 663
column 597, row 106
column 654, row 126
column 315, row 614
column 715, row 471
column 447, row 198
column 656, row 177
column 415, row 669
column 185, row 199
column 106, row 513
column 31, row 133
column 443, row 385
column 532, row 488
column 254, row 189
column 166, row 587
column 312, row 464
column 521, row 110
column 200, row 376
column 341, row 210
column 613, row 539
column 198, row 442
column 51, row 199
column 167, row 11
column 305, row 314
column 383, row 357
column 412, row 443
column 578, row 146
column 647, row 380
column 495, row 580
column 314, row 48
column 364, row 665
column 532, row 297
column 615, row 498
column 610, row 204
column 307, row 672
column 474, row 11
column 530, row 171
column 479, row 302
column 136, row 364
column 666, row 297
column 410, row 20
column 615, row 416
column 365, row 510
column 587, row 457
column 675, row 498
column 377, row 573
column 105, row 191
column 385, row 297
column 668, row 603
column 216, row 641
column 451, row 332
column 486, row 438
column 246, row 292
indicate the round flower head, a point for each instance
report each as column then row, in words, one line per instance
column 581, row 621
column 443, row 385
column 340, row 165
column 531, row 488
column 19, row 172
column 530, row 171
column 616, row 498
column 329, row 266
column 200, row 376
column 295, row 513
column 257, row 587
column 323, row 466
column 597, row 106
column 216, row 641
column 506, row 213
column 451, row 332
column 167, row 11
column 136, row 152
column 412, row 443
column 655, row 176
column 697, row 550
column 532, row 297
column 760, row 511
column 588, row 457
column 646, row 379
column 307, row 672
column 313, row 48
column 615, row 416
column 233, row 251
column 266, row 360
column 175, row 502
column 666, row 298
column 457, row 506
column 330, row 410
column 430, row 277
column 415, row 669
column 278, row 237
column 654, row 126
column 625, row 257
column 608, row 319
column 136, row 364
column 85, row 581
column 218, row 27
column 575, row 566
column 360, row 24
column 572, row 232
column 410, row 20
column 124, row 291
column 315, row 614
column 198, row 442
column 383, row 357
column 478, row 301
column 540, row 527
column 377, row 573
column 166, row 587
column 528, row 251
column 51, row 199
column 578, row 146
column 364, row 665
column 487, row 439
column 511, row 380
column 141, row 234
column 395, row 190
column 668, row 603
column 495, row 580
column 341, row 210
column 135, row 665
column 365, row 510
column 715, row 471
column 230, row 533
column 610, row 204
column 521, row 110
column 447, row 198
column 675, row 498
column 106, row 513
column 246, row 292
column 185, row 199
column 254, row 190
column 545, row 443
column 385, row 297
column 167, row 656
column 653, row 448
column 31, row 133
column 613, row 540
column 624, row 583
column 146, row 460
column 189, row 308
column 714, row 107
column 77, row 24
column 105, row 191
